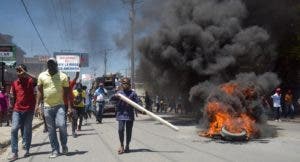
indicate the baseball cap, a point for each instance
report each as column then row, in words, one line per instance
column 52, row 59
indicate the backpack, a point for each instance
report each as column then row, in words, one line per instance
column 78, row 98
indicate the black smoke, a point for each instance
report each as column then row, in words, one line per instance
column 200, row 44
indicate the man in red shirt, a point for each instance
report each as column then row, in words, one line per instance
column 22, row 93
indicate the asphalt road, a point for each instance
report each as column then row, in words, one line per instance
column 154, row 142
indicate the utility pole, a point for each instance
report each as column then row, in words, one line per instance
column 105, row 60
column 132, row 19
column 132, row 22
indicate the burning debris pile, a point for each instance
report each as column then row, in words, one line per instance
column 235, row 110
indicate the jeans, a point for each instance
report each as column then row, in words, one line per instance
column 277, row 112
column 77, row 112
column 129, row 125
column 21, row 119
column 99, row 111
column 289, row 111
column 55, row 118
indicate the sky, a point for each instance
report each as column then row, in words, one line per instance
column 87, row 26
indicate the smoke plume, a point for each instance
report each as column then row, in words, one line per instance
column 200, row 44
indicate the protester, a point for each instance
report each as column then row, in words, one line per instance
column 125, row 115
column 157, row 103
column 100, row 103
column 4, row 103
column 148, row 102
column 276, row 97
column 22, row 93
column 172, row 104
column 53, row 86
column 289, row 107
column 78, row 108
column 86, row 106
column 71, row 96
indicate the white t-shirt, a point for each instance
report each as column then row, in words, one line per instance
column 276, row 100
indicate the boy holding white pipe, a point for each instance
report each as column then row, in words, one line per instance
column 125, row 114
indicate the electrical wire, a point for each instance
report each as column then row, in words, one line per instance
column 35, row 28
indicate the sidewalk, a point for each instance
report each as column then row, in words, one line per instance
column 5, row 132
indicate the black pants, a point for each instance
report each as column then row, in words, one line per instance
column 128, row 124
column 77, row 113
column 276, row 112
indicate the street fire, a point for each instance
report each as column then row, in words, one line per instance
column 233, row 118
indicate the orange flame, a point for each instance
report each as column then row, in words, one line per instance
column 219, row 116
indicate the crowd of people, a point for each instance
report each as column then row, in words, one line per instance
column 282, row 105
column 161, row 104
column 57, row 99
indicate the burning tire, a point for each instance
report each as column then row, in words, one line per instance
column 233, row 136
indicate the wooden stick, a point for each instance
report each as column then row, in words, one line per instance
column 156, row 117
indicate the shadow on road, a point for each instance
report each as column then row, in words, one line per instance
column 40, row 144
column 149, row 150
column 76, row 152
column 85, row 134
column 85, row 130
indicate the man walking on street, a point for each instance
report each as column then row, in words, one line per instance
column 23, row 100
column 78, row 108
column 53, row 86
column 125, row 114
column 276, row 97
column 99, row 99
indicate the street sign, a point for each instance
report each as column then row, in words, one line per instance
column 7, row 55
column 68, row 63
column 86, row 77
column 84, row 57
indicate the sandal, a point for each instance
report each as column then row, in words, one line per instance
column 121, row 150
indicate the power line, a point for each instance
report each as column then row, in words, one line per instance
column 71, row 23
column 57, row 22
column 35, row 28
column 63, row 18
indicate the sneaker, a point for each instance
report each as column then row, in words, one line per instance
column 12, row 157
column 26, row 154
column 23, row 146
column 65, row 150
column 53, row 155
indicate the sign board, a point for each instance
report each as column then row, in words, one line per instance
column 84, row 57
column 7, row 55
column 86, row 77
column 68, row 63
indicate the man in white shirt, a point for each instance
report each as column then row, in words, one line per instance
column 276, row 97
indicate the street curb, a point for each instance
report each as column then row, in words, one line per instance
column 7, row 143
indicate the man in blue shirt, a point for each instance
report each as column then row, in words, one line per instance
column 99, row 99
column 125, row 114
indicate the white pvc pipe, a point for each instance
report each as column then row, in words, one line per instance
column 156, row 117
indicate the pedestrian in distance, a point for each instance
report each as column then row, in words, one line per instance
column 78, row 108
column 289, row 107
column 125, row 115
column 53, row 86
column 276, row 97
column 23, row 100
column 157, row 104
column 148, row 101
column 99, row 101
column 4, row 104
